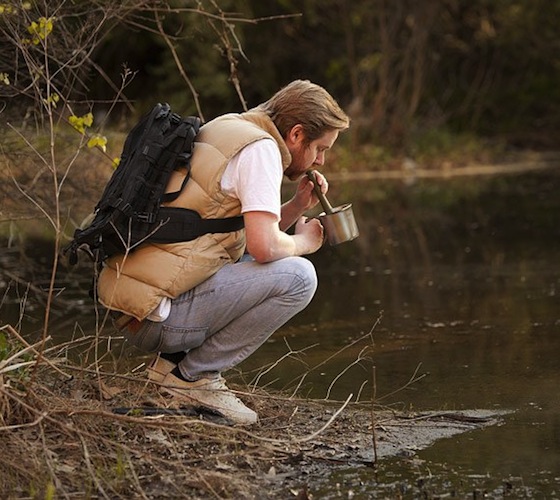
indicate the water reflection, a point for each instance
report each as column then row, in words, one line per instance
column 460, row 278
column 466, row 276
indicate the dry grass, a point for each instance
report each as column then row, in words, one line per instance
column 61, row 436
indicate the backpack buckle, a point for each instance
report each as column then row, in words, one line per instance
column 146, row 217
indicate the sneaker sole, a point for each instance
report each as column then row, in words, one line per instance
column 180, row 396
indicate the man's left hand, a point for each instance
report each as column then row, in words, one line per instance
column 305, row 196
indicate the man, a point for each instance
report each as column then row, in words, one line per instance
column 206, row 305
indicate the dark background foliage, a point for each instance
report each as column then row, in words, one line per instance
column 400, row 67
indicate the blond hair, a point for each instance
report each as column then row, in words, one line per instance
column 308, row 104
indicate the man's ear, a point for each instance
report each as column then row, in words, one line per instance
column 295, row 135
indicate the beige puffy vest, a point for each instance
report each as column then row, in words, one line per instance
column 136, row 283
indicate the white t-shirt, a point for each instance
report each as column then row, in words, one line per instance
column 254, row 177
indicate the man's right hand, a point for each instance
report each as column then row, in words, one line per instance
column 313, row 231
column 266, row 242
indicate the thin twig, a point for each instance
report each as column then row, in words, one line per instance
column 289, row 354
column 355, row 362
column 23, row 426
column 179, row 65
column 373, row 417
column 14, row 332
column 91, row 470
column 413, row 379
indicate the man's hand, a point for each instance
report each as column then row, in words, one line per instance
column 304, row 199
column 305, row 196
column 266, row 242
column 313, row 232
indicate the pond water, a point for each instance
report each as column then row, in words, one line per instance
column 449, row 299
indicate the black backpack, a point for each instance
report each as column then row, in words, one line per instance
column 129, row 211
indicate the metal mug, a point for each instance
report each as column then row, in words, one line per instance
column 339, row 222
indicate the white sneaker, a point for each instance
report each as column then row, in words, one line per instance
column 212, row 394
column 159, row 368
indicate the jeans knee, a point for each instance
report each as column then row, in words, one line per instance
column 306, row 276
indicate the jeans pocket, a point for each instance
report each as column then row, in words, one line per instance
column 176, row 339
column 148, row 338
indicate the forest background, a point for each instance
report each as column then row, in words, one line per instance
column 435, row 81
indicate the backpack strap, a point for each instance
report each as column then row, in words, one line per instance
column 167, row 197
column 181, row 224
column 189, row 128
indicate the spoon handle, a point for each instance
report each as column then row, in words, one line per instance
column 327, row 207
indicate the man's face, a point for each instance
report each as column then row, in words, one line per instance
column 307, row 155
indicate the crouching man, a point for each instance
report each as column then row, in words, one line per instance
column 205, row 305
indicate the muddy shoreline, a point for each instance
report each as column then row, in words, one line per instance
column 302, row 442
column 64, row 430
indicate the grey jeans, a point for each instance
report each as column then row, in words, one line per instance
column 222, row 321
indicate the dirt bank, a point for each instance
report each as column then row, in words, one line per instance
column 69, row 431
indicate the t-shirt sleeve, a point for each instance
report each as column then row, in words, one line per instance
column 254, row 177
